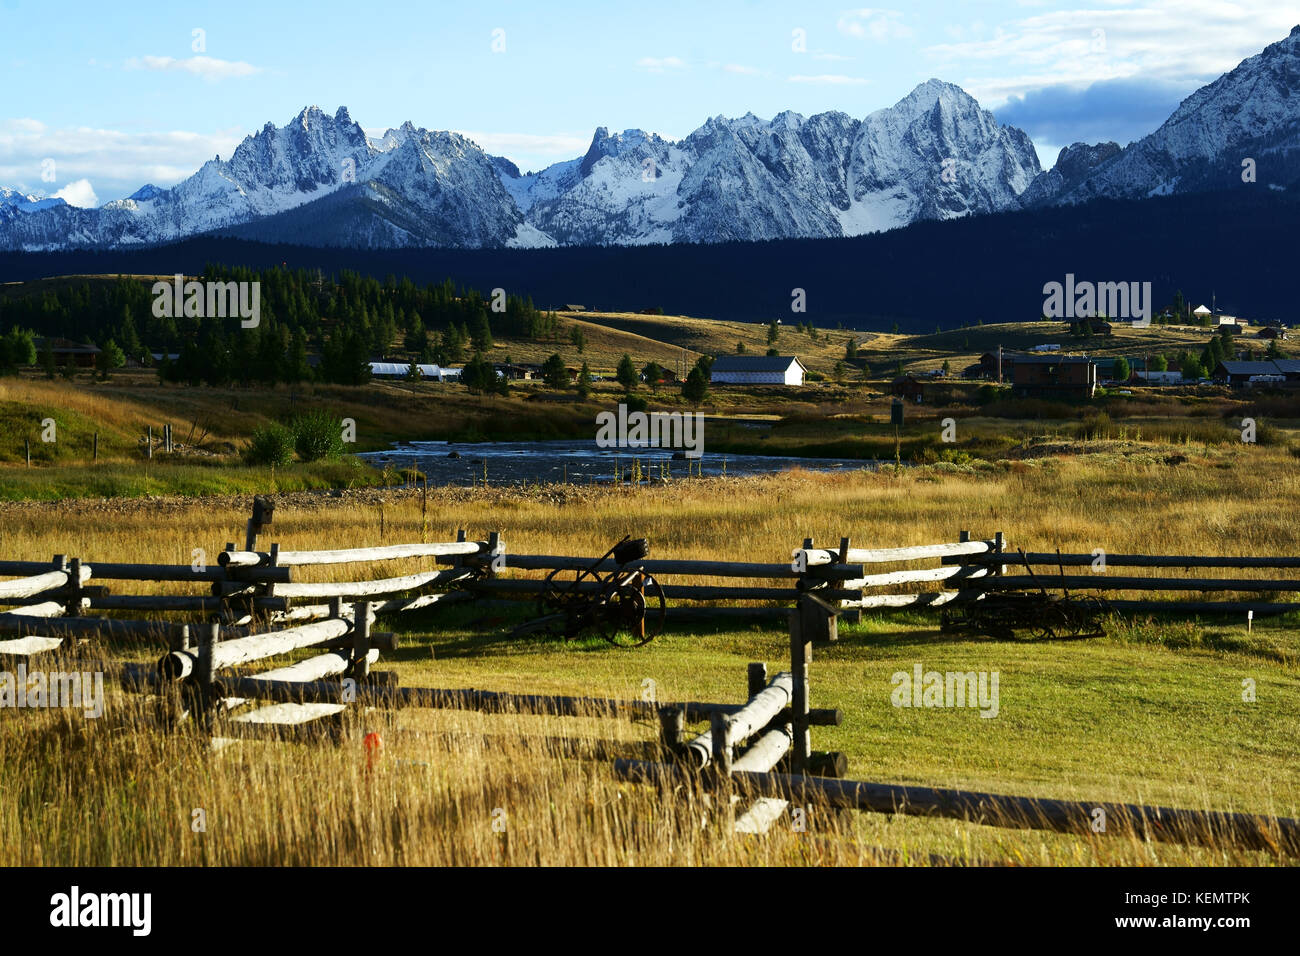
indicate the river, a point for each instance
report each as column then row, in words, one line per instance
column 579, row 462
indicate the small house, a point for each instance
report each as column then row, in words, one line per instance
column 909, row 387
column 82, row 355
column 1054, row 376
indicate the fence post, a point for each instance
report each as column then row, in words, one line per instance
column 96, row 446
column 672, row 727
column 72, row 602
column 203, row 675
column 27, row 445
column 757, row 678
column 819, row 621
column 263, row 514
column 360, row 641
column 148, row 445
column 718, row 726
column 800, row 655
column 999, row 546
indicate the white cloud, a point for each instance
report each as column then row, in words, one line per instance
column 745, row 70
column 119, row 162
column 1189, row 42
column 78, row 193
column 23, row 125
column 207, row 67
column 873, row 24
column 661, row 64
column 829, row 79
column 823, row 55
column 558, row 145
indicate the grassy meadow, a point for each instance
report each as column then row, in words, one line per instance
column 1151, row 713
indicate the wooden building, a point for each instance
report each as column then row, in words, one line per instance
column 1054, row 376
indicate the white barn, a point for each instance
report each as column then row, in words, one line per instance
column 427, row 372
column 757, row 370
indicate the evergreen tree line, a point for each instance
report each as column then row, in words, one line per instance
column 346, row 319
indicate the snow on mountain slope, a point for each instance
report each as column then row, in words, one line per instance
column 1252, row 112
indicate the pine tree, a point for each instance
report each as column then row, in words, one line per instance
column 296, row 368
column 626, row 374
column 584, row 381
column 554, row 372
column 696, row 387
column 47, row 357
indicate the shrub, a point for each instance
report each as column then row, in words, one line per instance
column 318, row 435
column 270, row 445
column 635, row 403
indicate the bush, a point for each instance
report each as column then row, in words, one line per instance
column 635, row 403
column 270, row 445
column 318, row 435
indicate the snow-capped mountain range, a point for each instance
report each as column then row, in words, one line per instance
column 319, row 180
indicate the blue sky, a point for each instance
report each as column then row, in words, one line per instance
column 117, row 95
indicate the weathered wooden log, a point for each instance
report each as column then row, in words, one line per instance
column 1116, row 582
column 677, row 592
column 914, row 600
column 37, row 583
column 760, row 816
column 909, row 577
column 178, row 602
column 184, row 572
column 380, row 640
column 458, row 699
column 696, row 711
column 349, row 589
column 765, row 753
column 805, row 558
column 312, row 669
column 287, row 721
column 28, row 646
column 179, row 664
column 22, row 625
column 392, row 552
column 1251, row 831
column 398, row 605
column 717, row 569
column 44, row 609
column 749, row 719
column 311, row 612
column 1051, row 559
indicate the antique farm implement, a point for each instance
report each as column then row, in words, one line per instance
column 1028, row 614
column 624, row 605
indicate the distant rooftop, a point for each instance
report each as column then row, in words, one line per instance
column 754, row 363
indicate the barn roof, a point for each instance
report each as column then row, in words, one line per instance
column 401, row 368
column 1251, row 368
column 1052, row 358
column 755, row 363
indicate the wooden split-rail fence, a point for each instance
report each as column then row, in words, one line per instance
column 755, row 756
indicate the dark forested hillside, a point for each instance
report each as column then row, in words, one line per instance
column 1238, row 245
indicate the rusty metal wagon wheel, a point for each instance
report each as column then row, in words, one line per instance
column 559, row 590
column 633, row 617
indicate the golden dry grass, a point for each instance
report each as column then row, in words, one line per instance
column 1137, row 716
